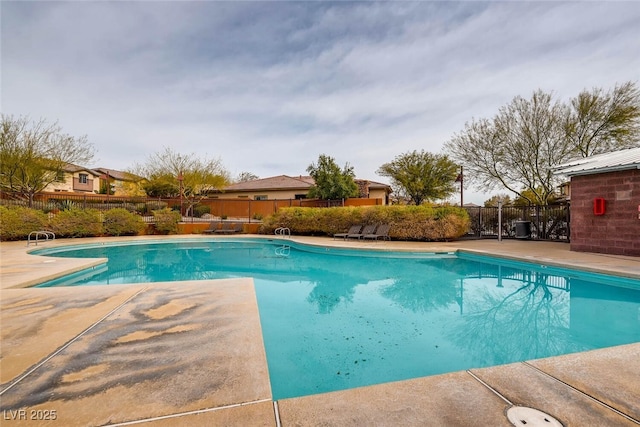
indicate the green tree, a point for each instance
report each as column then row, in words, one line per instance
column 527, row 197
column 35, row 154
column 191, row 177
column 519, row 148
column 421, row 176
column 162, row 185
column 492, row 202
column 331, row 182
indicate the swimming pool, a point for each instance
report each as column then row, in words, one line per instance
column 336, row 318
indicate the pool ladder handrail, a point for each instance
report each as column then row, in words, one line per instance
column 283, row 231
column 46, row 233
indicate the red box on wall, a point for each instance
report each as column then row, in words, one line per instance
column 598, row 206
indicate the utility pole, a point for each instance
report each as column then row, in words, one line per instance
column 108, row 187
column 460, row 179
column 180, row 179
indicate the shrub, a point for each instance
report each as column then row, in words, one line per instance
column 141, row 208
column 77, row 223
column 66, row 205
column 407, row 222
column 50, row 206
column 17, row 222
column 155, row 206
column 166, row 220
column 121, row 222
column 200, row 210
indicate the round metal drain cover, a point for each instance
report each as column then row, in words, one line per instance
column 522, row 416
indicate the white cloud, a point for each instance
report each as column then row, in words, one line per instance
column 267, row 87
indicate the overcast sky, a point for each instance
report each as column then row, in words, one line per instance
column 267, row 87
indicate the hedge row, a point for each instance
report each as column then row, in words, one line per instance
column 407, row 222
column 17, row 222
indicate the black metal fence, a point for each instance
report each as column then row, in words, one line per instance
column 192, row 209
column 520, row 222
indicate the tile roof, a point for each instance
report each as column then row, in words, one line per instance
column 280, row 182
column 601, row 163
column 285, row 182
column 119, row 175
column 70, row 167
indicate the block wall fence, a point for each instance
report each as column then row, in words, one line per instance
column 617, row 230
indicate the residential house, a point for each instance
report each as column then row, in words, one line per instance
column 283, row 187
column 121, row 183
column 77, row 179
column 605, row 202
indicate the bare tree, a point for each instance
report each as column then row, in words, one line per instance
column 601, row 122
column 518, row 149
column 191, row 177
column 35, row 154
column 246, row 176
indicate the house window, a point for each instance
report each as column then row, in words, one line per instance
column 83, row 178
column 300, row 196
column 262, row 197
column 60, row 176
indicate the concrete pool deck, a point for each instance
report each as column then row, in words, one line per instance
column 167, row 354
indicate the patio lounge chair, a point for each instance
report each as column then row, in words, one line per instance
column 368, row 229
column 213, row 226
column 381, row 232
column 354, row 229
column 228, row 229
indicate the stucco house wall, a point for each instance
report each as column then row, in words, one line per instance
column 122, row 183
column 617, row 231
column 283, row 187
column 269, row 194
column 288, row 194
column 76, row 180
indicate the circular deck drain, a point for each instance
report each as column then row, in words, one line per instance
column 522, row 416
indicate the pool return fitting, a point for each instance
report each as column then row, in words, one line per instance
column 530, row 417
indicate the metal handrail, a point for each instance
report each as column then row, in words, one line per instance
column 283, row 231
column 47, row 234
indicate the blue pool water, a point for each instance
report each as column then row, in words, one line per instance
column 334, row 319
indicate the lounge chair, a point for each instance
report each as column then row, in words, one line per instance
column 368, row 229
column 354, row 229
column 213, row 226
column 227, row 228
column 381, row 232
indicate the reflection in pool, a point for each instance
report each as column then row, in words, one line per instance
column 336, row 319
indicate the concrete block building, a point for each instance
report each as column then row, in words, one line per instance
column 605, row 202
